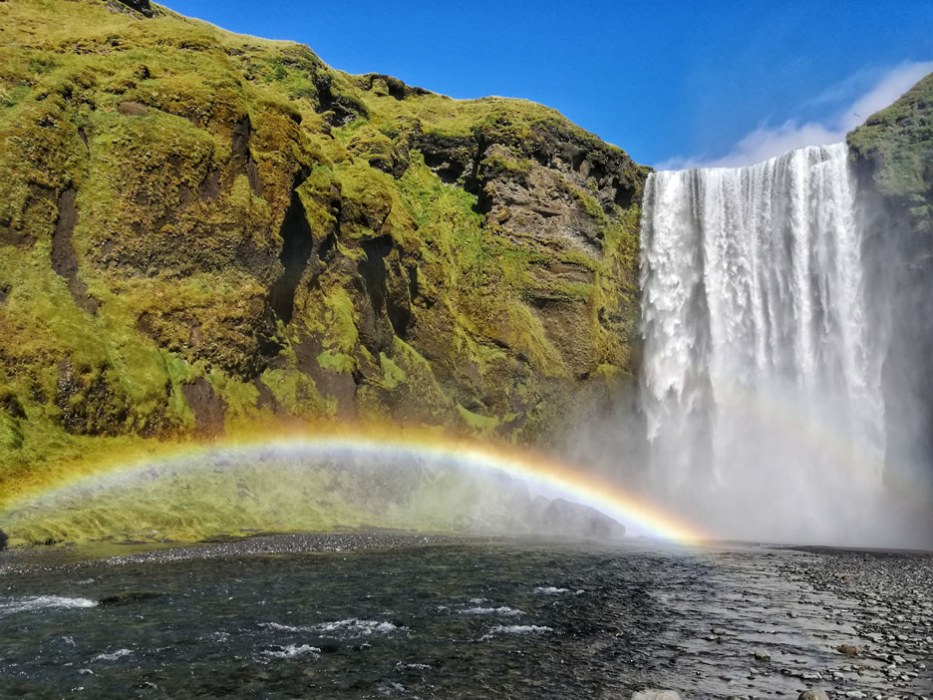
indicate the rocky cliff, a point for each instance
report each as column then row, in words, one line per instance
column 893, row 161
column 202, row 232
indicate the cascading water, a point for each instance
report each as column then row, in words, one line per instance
column 762, row 377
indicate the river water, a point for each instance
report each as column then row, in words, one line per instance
column 401, row 616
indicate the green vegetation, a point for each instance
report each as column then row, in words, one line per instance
column 204, row 233
column 896, row 144
column 195, row 500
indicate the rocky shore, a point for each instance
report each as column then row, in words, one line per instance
column 892, row 617
column 33, row 560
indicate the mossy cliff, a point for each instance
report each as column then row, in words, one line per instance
column 203, row 232
column 893, row 152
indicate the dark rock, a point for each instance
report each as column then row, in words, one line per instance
column 64, row 256
column 11, row 404
column 4, row 539
column 327, row 645
column 141, row 6
column 297, row 246
column 563, row 518
column 813, row 695
column 210, row 410
column 128, row 597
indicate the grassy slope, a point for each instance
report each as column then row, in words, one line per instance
column 185, row 148
column 897, row 145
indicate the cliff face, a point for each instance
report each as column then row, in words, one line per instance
column 201, row 231
column 893, row 160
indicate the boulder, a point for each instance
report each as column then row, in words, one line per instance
column 565, row 519
column 141, row 6
column 814, row 694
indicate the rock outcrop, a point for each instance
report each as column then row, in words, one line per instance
column 893, row 160
column 202, row 232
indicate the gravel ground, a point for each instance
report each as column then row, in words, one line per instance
column 25, row 560
column 892, row 616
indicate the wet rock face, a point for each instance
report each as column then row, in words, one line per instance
column 891, row 157
column 209, row 409
column 553, row 194
column 549, row 185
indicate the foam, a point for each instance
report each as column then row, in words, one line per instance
column 44, row 602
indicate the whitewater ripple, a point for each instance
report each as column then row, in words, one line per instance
column 292, row 651
column 352, row 627
column 502, row 610
column 113, row 656
column 43, row 602
column 516, row 629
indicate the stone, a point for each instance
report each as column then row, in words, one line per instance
column 141, row 6
column 813, row 694
column 656, row 695
column 564, row 518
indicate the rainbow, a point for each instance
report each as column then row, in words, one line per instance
column 547, row 474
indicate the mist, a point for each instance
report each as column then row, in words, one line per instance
column 310, row 486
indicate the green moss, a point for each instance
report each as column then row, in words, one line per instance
column 393, row 376
column 239, row 397
column 297, row 393
column 339, row 362
column 897, row 142
column 340, row 318
column 498, row 164
column 476, row 422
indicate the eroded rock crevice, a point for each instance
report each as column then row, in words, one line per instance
column 210, row 410
column 64, row 257
column 242, row 156
column 297, row 246
column 373, row 270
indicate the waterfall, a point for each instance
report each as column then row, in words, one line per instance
column 762, row 376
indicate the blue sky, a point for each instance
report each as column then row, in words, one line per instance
column 672, row 82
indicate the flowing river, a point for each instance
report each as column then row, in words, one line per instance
column 381, row 615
